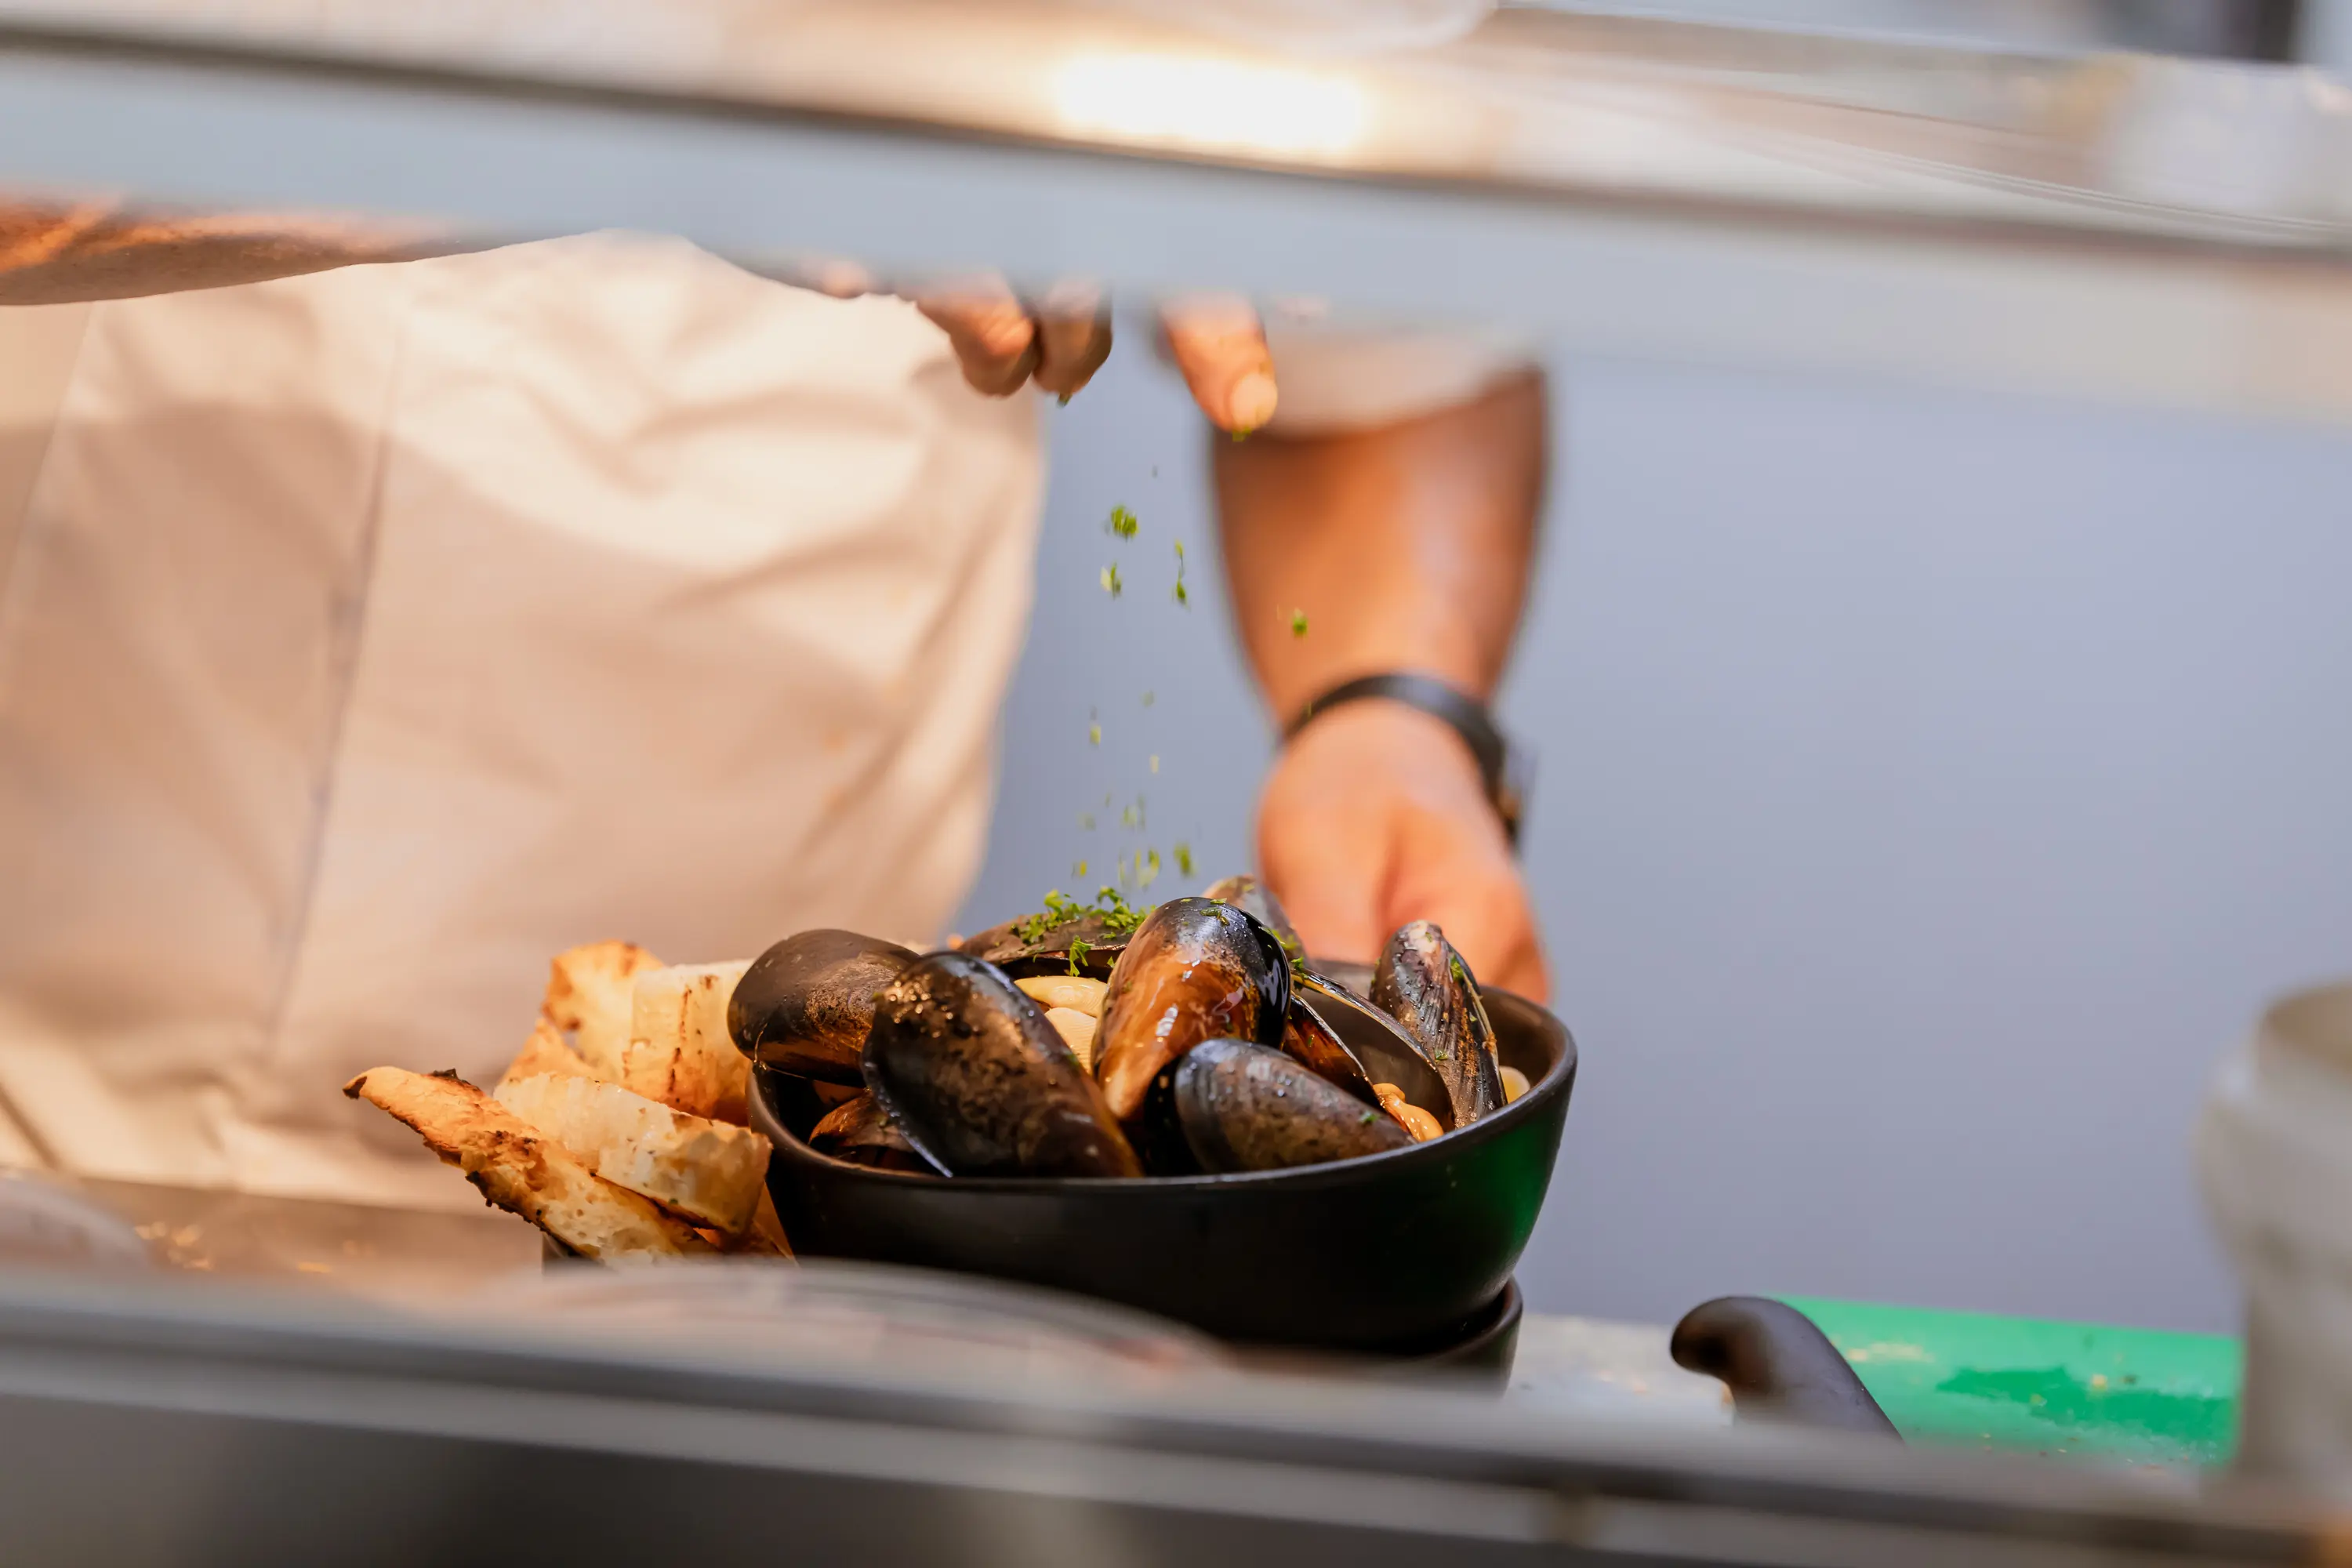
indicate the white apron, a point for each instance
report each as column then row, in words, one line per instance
column 367, row 638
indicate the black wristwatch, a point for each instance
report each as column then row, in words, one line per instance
column 1500, row 768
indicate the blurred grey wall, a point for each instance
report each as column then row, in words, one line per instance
column 1930, row 787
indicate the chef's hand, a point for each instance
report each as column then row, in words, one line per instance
column 1060, row 339
column 1375, row 816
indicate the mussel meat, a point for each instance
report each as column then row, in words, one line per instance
column 1244, row 1108
column 862, row 1133
column 1426, row 986
column 804, row 1005
column 980, row 1084
column 1255, row 899
column 1195, row 970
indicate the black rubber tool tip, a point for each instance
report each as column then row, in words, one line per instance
column 1778, row 1365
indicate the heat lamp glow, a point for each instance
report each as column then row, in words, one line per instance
column 1210, row 103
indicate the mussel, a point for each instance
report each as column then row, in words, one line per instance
column 1255, row 899
column 861, row 1132
column 1090, row 938
column 1244, row 1108
column 1195, row 970
column 804, row 1005
column 980, row 1083
column 1425, row 985
column 1382, row 1052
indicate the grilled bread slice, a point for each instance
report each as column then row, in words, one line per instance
column 702, row 1170
column 523, row 1171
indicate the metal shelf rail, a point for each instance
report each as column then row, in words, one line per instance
column 2114, row 226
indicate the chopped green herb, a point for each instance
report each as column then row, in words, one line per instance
column 1369, row 1117
column 1243, row 433
column 1147, row 868
column 1079, row 948
column 1184, row 858
column 1110, row 582
column 1155, row 762
column 1118, row 916
column 1079, row 869
column 1180, row 593
column 1122, row 522
column 1087, row 821
column 1299, row 622
column 1094, row 734
column 1148, row 700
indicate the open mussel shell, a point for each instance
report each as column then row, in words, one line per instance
column 1194, row 969
column 1244, row 1108
column 980, row 1084
column 860, row 1132
column 1307, row 1036
column 1426, row 986
column 1380, row 1045
column 804, row 1005
column 1255, row 899
column 1091, row 936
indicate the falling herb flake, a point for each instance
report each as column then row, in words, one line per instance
column 1122, row 522
column 1079, row 869
column 1243, row 433
column 1111, row 585
column 1155, row 762
column 1184, row 858
column 1086, row 820
column 1147, row 868
column 1179, row 593
column 1094, row 734
column 1148, row 700
column 1299, row 622
column 1079, row 948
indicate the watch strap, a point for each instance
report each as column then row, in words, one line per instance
column 1499, row 765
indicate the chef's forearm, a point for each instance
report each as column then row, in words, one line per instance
column 57, row 255
column 1403, row 548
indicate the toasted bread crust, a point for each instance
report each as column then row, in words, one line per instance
column 520, row 1170
column 588, row 994
column 545, row 1054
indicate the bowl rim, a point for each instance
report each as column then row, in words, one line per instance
column 1554, row 1084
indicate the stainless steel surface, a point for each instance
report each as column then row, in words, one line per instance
column 2112, row 225
column 305, row 1244
column 148, row 1425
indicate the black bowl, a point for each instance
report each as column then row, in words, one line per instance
column 1385, row 1251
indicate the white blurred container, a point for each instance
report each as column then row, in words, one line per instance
column 2274, row 1156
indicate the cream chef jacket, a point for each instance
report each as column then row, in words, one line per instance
column 367, row 639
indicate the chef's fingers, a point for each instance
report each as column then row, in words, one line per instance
column 1218, row 344
column 989, row 330
column 838, row 277
column 1073, row 321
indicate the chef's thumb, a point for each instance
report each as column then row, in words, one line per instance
column 1219, row 347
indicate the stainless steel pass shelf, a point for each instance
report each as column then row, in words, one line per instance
column 141, row 1423
column 2114, row 226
